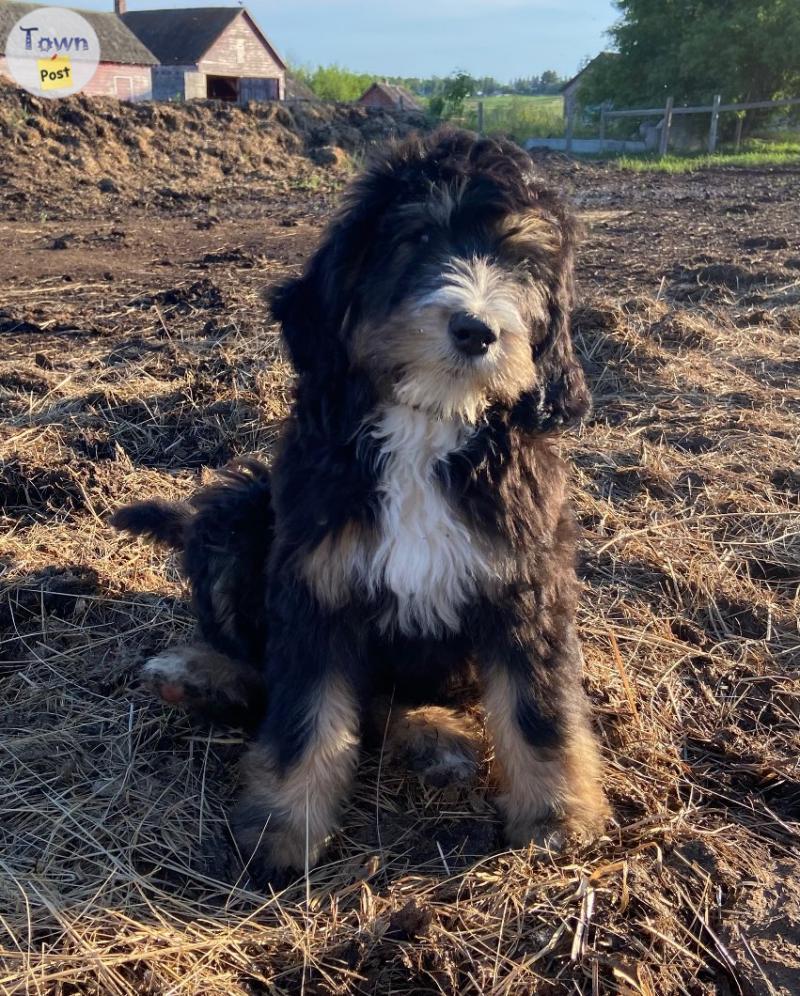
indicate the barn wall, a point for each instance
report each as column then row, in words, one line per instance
column 113, row 80
column 377, row 98
column 125, row 82
column 195, row 84
column 240, row 52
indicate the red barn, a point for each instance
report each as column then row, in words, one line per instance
column 125, row 66
column 208, row 52
column 390, row 97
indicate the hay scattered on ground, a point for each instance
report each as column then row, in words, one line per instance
column 116, row 872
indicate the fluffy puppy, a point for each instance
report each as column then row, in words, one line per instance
column 419, row 523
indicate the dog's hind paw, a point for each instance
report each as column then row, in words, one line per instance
column 206, row 683
column 446, row 766
column 168, row 674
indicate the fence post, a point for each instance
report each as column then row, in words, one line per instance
column 739, row 126
column 712, row 134
column 480, row 117
column 603, row 130
column 570, row 129
column 662, row 150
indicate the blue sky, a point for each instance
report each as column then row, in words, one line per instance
column 501, row 38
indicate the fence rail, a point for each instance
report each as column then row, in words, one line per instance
column 669, row 111
column 755, row 105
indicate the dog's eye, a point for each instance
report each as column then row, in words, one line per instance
column 424, row 238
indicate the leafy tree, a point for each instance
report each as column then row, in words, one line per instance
column 449, row 103
column 693, row 49
column 334, row 82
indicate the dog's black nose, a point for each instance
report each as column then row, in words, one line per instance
column 470, row 335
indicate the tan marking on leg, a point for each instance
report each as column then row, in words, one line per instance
column 336, row 563
column 280, row 813
column 587, row 807
column 437, row 743
column 542, row 786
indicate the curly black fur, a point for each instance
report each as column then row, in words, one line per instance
column 224, row 534
column 366, row 328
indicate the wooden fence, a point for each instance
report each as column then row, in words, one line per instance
column 668, row 112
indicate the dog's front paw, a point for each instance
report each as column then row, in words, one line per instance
column 525, row 825
column 550, row 829
column 545, row 834
column 273, row 855
column 437, row 745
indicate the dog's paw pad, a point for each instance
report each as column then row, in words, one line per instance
column 172, row 693
column 167, row 674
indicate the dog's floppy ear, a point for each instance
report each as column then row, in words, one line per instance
column 311, row 309
column 562, row 396
column 564, row 393
column 315, row 308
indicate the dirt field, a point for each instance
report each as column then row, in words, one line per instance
column 135, row 359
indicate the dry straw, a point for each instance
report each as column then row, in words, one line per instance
column 116, row 871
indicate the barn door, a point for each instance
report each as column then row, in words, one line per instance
column 258, row 89
column 123, row 87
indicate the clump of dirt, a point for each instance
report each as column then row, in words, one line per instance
column 202, row 295
column 710, row 280
column 48, row 489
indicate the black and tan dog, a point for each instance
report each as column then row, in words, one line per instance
column 414, row 530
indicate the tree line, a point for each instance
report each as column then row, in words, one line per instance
column 335, row 82
column 694, row 49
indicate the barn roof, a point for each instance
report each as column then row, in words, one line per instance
column 182, row 37
column 600, row 58
column 297, row 90
column 117, row 42
column 398, row 95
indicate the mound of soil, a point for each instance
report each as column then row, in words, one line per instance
column 70, row 154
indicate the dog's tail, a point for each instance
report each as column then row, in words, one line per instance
column 157, row 520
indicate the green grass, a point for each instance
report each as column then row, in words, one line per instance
column 504, row 102
column 517, row 115
column 757, row 152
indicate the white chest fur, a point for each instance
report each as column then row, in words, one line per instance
column 425, row 554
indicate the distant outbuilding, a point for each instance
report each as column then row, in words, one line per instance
column 570, row 89
column 390, row 97
column 218, row 53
